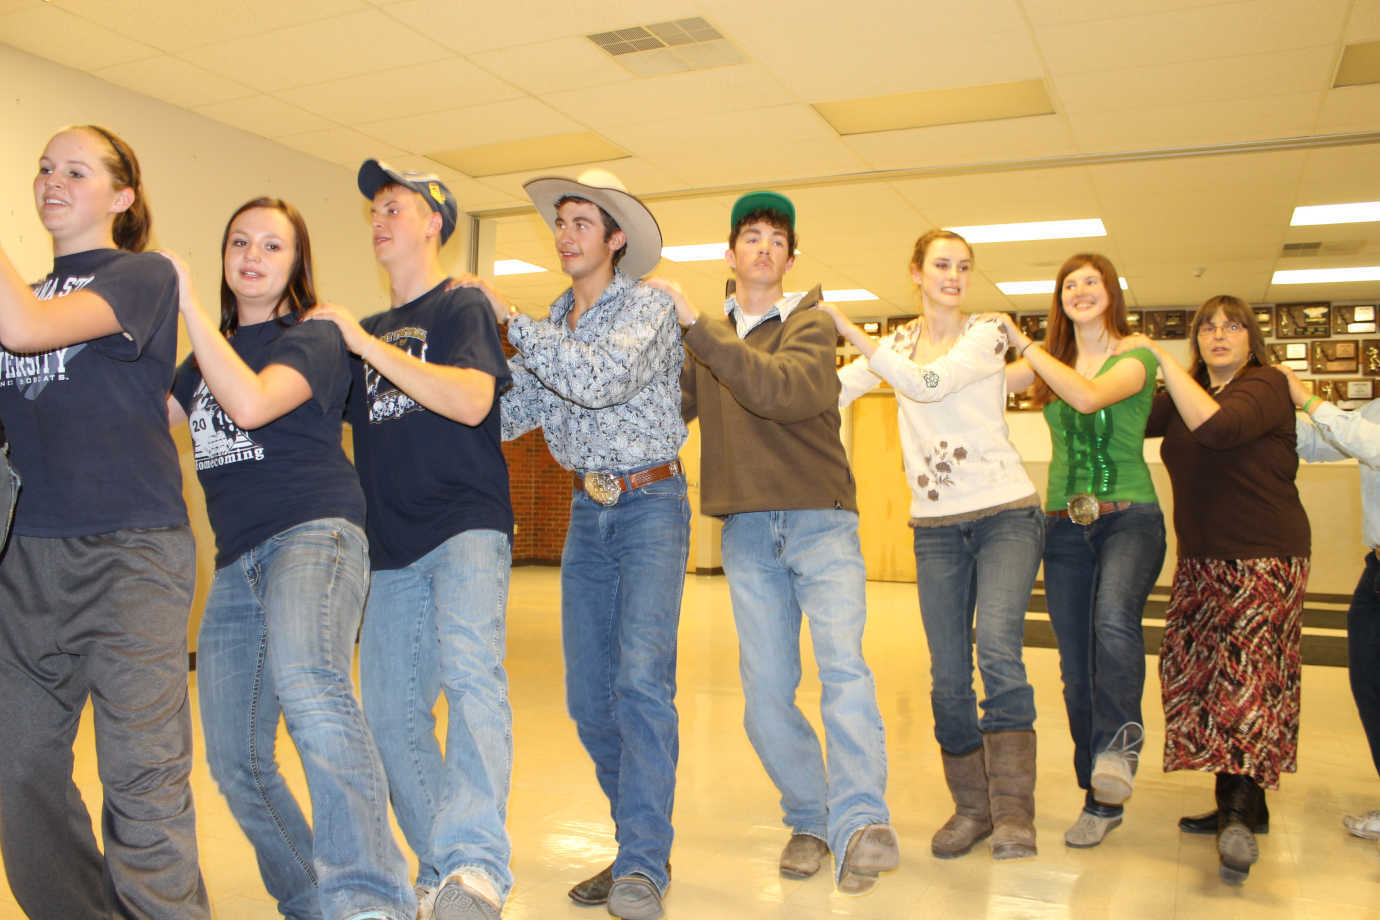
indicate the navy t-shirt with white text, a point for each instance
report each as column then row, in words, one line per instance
column 88, row 423
column 427, row 478
column 261, row 482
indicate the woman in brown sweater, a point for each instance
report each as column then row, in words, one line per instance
column 1229, row 664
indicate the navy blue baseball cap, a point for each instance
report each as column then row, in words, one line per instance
column 375, row 174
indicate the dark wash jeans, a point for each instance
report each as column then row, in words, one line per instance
column 1097, row 577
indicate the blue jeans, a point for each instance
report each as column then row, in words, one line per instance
column 1097, row 578
column 440, row 625
column 780, row 565
column 278, row 637
column 980, row 571
column 622, row 572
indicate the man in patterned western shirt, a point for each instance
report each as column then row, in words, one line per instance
column 600, row 374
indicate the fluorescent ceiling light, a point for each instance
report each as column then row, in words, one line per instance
column 1351, row 212
column 1031, row 230
column 699, row 252
column 515, row 267
column 848, row 294
column 841, row 295
column 1037, row 287
column 1327, row 275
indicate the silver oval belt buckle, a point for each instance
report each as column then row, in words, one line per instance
column 604, row 488
column 1084, row 508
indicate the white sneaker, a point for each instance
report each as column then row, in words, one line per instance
column 426, row 901
column 1089, row 830
column 1366, row 826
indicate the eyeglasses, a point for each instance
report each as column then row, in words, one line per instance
column 1206, row 330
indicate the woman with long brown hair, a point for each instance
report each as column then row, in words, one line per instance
column 1230, row 664
column 978, row 533
column 1104, row 533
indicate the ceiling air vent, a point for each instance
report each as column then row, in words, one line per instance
column 1318, row 248
column 668, row 47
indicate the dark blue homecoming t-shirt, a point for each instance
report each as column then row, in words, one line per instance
column 427, row 478
column 88, row 423
column 290, row 471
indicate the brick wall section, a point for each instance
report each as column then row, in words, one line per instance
column 540, row 490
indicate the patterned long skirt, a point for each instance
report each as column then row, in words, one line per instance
column 1229, row 667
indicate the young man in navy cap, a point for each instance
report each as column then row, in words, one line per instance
column 762, row 381
column 425, row 412
column 600, row 374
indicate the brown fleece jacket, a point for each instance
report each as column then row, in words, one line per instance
column 768, row 411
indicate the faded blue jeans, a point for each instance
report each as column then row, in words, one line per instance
column 1097, row 578
column 978, row 572
column 622, row 572
column 440, row 625
column 782, row 565
column 278, row 637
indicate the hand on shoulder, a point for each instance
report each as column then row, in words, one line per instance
column 1134, row 341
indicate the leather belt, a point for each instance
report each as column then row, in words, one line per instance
column 605, row 488
column 1102, row 508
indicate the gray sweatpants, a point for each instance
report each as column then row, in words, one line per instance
column 105, row 617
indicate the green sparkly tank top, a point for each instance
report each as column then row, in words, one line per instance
column 1102, row 452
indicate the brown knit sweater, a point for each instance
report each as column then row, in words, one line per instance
column 1233, row 478
column 768, row 411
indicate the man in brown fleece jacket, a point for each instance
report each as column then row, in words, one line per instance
column 762, row 381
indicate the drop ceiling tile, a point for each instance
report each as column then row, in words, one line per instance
column 1194, row 123
column 559, row 65
column 415, row 89
column 176, row 25
column 1256, row 27
column 339, row 145
column 1280, row 73
column 998, row 198
column 504, row 25
column 264, row 115
column 776, row 127
column 640, row 176
column 1351, row 108
column 961, row 145
column 690, row 96
column 1339, row 174
column 1364, row 22
column 176, row 81
column 68, row 39
column 471, row 125
column 1055, row 12
column 330, row 49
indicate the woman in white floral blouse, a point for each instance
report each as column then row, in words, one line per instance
column 979, row 533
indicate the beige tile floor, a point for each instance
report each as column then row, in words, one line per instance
column 727, row 820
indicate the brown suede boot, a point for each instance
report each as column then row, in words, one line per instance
column 1011, row 792
column 966, row 775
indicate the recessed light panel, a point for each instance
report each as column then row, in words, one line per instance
column 1350, row 212
column 1327, row 275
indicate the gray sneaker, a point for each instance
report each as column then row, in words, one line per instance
column 457, row 901
column 1089, row 830
column 634, row 897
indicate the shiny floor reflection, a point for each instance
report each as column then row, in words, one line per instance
column 728, row 822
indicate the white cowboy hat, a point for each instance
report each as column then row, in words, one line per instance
column 604, row 189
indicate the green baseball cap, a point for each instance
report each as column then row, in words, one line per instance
column 763, row 201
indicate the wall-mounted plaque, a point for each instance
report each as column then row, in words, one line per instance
column 1166, row 324
column 1329, row 390
column 1360, row 389
column 1370, row 357
column 896, row 322
column 1352, row 320
column 1309, row 384
column 1034, row 325
column 1303, row 320
column 1136, row 320
column 872, row 327
column 1335, row 356
column 1265, row 319
column 1292, row 355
